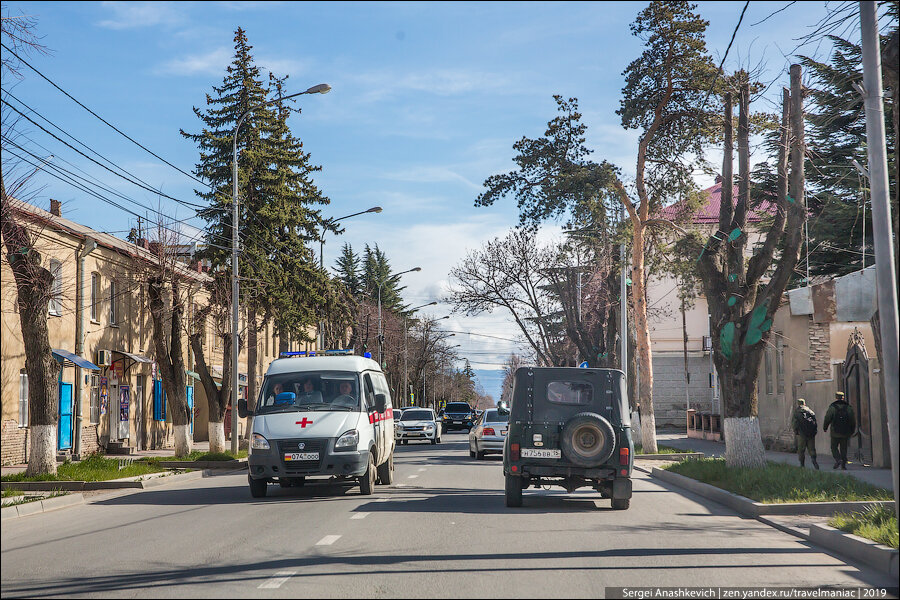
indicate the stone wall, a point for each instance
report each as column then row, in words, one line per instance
column 14, row 443
column 820, row 349
column 668, row 388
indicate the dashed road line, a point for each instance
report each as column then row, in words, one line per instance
column 277, row 580
column 421, row 469
column 328, row 540
column 412, row 476
column 360, row 515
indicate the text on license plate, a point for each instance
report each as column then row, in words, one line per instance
column 289, row 456
column 540, row 453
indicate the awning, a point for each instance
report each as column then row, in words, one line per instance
column 67, row 359
column 193, row 374
column 134, row 357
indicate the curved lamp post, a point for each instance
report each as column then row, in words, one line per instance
column 380, row 284
column 322, row 88
column 406, row 346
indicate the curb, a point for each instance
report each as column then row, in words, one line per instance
column 41, row 506
column 878, row 556
column 139, row 482
column 204, row 464
column 754, row 509
column 678, row 456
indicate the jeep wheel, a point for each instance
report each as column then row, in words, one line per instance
column 367, row 481
column 513, row 491
column 587, row 440
column 621, row 503
column 386, row 471
column 257, row 487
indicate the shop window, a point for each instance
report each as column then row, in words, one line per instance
column 23, row 398
column 95, row 399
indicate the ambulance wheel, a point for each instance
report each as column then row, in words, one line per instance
column 386, row 471
column 257, row 487
column 367, row 481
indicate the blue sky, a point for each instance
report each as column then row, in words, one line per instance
column 427, row 101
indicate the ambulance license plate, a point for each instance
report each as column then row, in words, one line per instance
column 541, row 453
column 289, row 456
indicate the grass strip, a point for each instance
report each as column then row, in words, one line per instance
column 94, row 467
column 661, row 450
column 878, row 524
column 778, row 483
column 199, row 455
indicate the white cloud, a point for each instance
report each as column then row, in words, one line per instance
column 430, row 174
column 213, row 62
column 130, row 15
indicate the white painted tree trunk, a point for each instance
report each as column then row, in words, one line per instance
column 217, row 436
column 42, row 458
column 182, row 440
column 743, row 443
column 648, row 432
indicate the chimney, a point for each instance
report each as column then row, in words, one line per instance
column 54, row 207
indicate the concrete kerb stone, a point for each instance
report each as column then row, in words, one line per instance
column 204, row 464
column 40, row 506
column 137, row 482
column 883, row 558
column 678, row 457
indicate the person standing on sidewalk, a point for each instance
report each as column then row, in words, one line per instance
column 842, row 420
column 803, row 422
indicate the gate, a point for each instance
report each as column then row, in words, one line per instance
column 64, row 438
column 856, row 389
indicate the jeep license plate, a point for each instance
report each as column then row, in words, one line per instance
column 289, row 456
column 541, row 453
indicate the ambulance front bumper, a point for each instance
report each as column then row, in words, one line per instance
column 285, row 459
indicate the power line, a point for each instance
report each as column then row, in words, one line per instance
column 722, row 63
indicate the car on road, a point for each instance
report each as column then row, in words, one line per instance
column 569, row 427
column 457, row 415
column 327, row 416
column 488, row 433
column 418, row 424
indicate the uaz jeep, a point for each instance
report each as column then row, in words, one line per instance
column 569, row 427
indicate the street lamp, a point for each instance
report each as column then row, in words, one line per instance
column 320, row 336
column 406, row 344
column 322, row 88
column 424, row 355
column 380, row 333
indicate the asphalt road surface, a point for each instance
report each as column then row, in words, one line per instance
column 441, row 530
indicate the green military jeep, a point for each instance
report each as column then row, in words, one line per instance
column 569, row 427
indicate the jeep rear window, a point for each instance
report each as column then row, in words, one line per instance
column 570, row 392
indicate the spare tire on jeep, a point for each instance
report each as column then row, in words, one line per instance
column 587, row 439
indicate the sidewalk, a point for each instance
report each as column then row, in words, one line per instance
column 201, row 446
column 877, row 477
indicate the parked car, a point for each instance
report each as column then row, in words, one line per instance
column 569, row 427
column 488, row 433
column 321, row 416
column 457, row 415
column 418, row 424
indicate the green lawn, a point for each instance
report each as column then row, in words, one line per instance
column 780, row 483
column 11, row 493
column 660, row 450
column 878, row 524
column 93, row 468
column 198, row 455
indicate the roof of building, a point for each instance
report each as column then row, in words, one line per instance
column 709, row 212
column 322, row 363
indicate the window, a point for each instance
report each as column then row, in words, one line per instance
column 113, row 302
column 159, row 401
column 779, row 365
column 569, row 392
column 769, row 372
column 95, row 399
column 95, row 297
column 55, row 306
column 23, row 398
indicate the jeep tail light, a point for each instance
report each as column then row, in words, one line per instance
column 623, row 456
column 488, row 431
column 514, row 452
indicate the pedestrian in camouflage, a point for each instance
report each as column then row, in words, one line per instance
column 842, row 420
column 803, row 422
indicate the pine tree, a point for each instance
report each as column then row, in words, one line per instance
column 347, row 268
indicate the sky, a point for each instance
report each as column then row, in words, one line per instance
column 427, row 101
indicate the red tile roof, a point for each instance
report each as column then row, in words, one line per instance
column 709, row 212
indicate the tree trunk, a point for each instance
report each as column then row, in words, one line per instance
column 642, row 338
column 33, row 285
column 217, row 399
column 687, row 372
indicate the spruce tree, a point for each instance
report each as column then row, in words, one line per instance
column 347, row 268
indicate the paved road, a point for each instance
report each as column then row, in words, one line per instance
column 441, row 530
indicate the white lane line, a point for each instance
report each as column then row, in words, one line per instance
column 277, row 580
column 383, row 500
column 328, row 540
column 422, row 469
column 412, row 476
column 360, row 515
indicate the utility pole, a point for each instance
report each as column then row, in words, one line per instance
column 623, row 304
column 886, row 281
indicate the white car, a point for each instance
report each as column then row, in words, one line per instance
column 325, row 416
column 418, row 424
column 488, row 433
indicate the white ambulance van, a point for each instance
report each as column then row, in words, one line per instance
column 321, row 416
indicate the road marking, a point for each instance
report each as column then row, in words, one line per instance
column 328, row 540
column 412, row 476
column 360, row 515
column 276, row 580
column 422, row 469
column 383, row 500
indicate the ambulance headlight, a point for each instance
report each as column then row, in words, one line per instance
column 258, row 442
column 347, row 441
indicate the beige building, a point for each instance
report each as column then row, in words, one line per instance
column 120, row 399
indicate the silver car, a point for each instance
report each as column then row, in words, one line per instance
column 488, row 433
column 418, row 424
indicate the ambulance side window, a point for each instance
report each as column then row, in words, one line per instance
column 369, row 392
column 381, row 387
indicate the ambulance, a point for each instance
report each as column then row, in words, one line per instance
column 326, row 416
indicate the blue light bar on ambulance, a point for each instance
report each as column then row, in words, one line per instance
column 289, row 354
column 345, row 352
